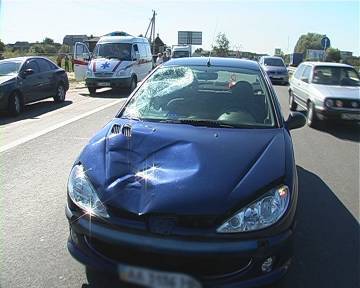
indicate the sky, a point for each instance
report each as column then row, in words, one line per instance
column 257, row 26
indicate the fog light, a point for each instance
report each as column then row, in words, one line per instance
column 267, row 265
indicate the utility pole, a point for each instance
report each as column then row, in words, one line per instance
column 151, row 26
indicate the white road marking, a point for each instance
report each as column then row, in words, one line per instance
column 56, row 126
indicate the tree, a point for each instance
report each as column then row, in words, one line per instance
column 308, row 41
column 48, row 40
column 332, row 55
column 222, row 46
column 2, row 46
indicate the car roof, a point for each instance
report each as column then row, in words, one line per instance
column 276, row 57
column 331, row 64
column 122, row 39
column 22, row 59
column 214, row 61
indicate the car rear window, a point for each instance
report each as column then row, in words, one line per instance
column 236, row 97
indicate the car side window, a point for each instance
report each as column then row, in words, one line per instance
column 306, row 74
column 44, row 65
column 299, row 71
column 142, row 51
column 31, row 64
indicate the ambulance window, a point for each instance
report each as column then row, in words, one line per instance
column 136, row 49
column 142, row 51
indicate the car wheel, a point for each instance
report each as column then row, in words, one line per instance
column 133, row 84
column 60, row 94
column 311, row 115
column 92, row 90
column 16, row 104
column 292, row 103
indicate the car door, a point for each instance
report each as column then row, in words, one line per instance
column 31, row 83
column 135, row 53
column 295, row 82
column 82, row 58
column 47, row 78
column 304, row 81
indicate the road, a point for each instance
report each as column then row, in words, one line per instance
column 37, row 152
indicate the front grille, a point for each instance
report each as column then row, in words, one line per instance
column 180, row 221
column 103, row 74
column 348, row 103
column 199, row 266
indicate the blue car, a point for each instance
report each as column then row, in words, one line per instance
column 193, row 183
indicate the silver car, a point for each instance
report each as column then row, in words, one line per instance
column 326, row 91
column 275, row 68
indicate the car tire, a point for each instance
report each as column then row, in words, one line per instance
column 60, row 93
column 312, row 119
column 16, row 104
column 133, row 84
column 292, row 103
column 92, row 90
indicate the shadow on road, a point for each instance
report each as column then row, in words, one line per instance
column 345, row 131
column 33, row 111
column 107, row 93
column 326, row 252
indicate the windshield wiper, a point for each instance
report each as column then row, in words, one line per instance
column 206, row 123
column 113, row 57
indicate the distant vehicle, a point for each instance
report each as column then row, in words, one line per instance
column 296, row 59
column 169, row 194
column 181, row 51
column 275, row 68
column 117, row 61
column 326, row 91
column 29, row 79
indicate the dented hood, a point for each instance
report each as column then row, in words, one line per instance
column 182, row 169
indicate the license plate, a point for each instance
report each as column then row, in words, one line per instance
column 348, row 116
column 103, row 84
column 156, row 279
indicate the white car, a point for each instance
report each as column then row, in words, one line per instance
column 326, row 90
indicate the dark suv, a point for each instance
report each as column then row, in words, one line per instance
column 29, row 79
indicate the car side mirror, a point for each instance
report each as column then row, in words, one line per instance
column 295, row 120
column 136, row 56
column 306, row 80
column 27, row 72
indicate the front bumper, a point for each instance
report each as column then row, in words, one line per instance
column 108, row 82
column 345, row 115
column 226, row 263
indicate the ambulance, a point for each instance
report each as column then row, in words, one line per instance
column 116, row 62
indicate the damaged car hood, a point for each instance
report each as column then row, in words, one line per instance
column 148, row 167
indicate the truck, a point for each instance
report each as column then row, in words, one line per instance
column 296, row 59
column 180, row 51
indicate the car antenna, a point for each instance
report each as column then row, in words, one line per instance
column 208, row 62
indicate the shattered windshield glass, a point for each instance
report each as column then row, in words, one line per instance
column 206, row 96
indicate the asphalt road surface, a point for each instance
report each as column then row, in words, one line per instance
column 37, row 151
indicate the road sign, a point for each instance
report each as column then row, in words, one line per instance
column 325, row 42
column 189, row 37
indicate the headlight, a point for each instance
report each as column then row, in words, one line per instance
column 329, row 103
column 339, row 103
column 260, row 214
column 121, row 72
column 83, row 194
